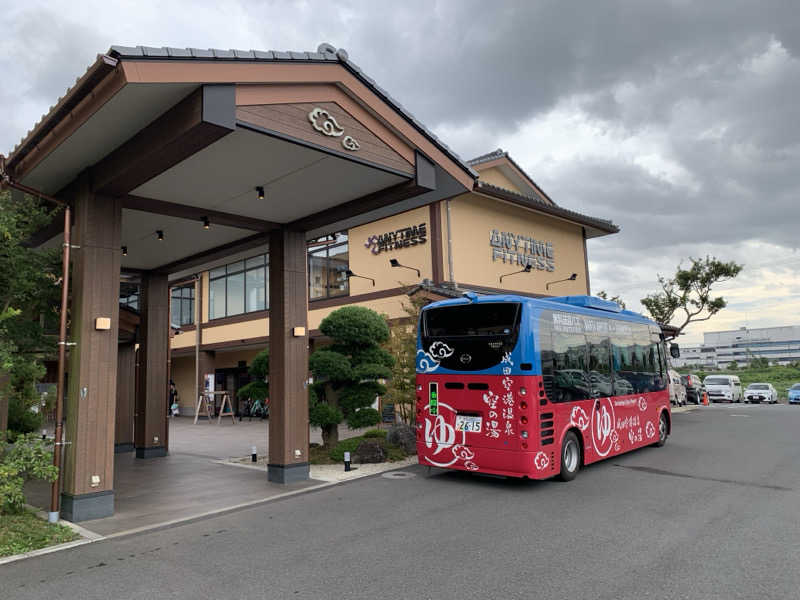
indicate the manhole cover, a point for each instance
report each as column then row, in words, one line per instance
column 398, row 475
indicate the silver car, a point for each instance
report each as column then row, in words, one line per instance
column 761, row 392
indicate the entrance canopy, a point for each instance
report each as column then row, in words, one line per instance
column 243, row 142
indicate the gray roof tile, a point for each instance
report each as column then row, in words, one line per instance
column 282, row 55
column 200, row 53
column 223, row 53
column 261, row 55
column 128, row 50
column 179, row 52
column 244, row 54
column 152, row 51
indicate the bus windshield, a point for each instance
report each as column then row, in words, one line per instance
column 479, row 334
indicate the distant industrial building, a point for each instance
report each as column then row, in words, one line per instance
column 779, row 345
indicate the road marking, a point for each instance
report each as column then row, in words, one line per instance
column 740, row 415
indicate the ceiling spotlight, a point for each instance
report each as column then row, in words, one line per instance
column 160, row 235
column 206, row 223
column 260, row 191
column 124, row 251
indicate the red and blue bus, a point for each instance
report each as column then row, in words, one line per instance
column 534, row 387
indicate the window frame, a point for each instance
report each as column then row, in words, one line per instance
column 242, row 269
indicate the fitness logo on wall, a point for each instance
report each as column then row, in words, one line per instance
column 398, row 239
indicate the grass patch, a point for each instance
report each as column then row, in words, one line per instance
column 25, row 531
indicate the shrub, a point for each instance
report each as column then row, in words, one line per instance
column 29, row 458
column 347, row 445
column 375, row 433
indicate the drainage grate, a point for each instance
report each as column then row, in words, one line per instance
column 398, row 475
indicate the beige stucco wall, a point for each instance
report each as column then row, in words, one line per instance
column 235, row 331
column 392, row 306
column 228, row 360
column 182, row 373
column 494, row 176
column 185, row 339
column 473, row 217
column 364, row 262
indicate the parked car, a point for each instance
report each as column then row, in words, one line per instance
column 724, row 388
column 761, row 392
column 694, row 388
column 677, row 393
column 794, row 394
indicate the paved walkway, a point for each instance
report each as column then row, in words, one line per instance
column 190, row 481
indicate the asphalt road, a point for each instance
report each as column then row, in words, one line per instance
column 713, row 514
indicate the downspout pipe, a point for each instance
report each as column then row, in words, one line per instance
column 5, row 182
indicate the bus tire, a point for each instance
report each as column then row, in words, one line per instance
column 570, row 457
column 663, row 430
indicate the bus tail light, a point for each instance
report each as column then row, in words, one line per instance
column 523, row 405
column 524, row 444
column 524, row 420
column 524, row 434
column 419, row 388
column 522, row 391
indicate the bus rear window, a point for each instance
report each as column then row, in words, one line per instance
column 468, row 320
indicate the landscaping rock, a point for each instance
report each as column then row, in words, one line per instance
column 404, row 436
column 370, row 451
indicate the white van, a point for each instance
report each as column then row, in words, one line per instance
column 724, row 388
column 677, row 393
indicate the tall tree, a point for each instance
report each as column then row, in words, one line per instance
column 29, row 304
column 604, row 295
column 687, row 295
column 347, row 372
column 402, row 345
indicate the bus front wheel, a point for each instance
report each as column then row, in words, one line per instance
column 570, row 457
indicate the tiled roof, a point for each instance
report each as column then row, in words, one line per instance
column 540, row 205
column 499, row 153
column 325, row 53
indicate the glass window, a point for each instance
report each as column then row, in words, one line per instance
column 239, row 287
column 328, row 262
column 182, row 305
column 622, row 362
column 600, row 366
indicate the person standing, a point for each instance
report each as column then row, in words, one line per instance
column 172, row 405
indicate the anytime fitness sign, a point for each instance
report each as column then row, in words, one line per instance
column 398, row 239
column 522, row 250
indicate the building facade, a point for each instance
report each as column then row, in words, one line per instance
column 779, row 345
column 505, row 224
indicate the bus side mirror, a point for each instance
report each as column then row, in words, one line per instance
column 674, row 351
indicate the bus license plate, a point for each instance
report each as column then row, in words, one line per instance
column 468, row 423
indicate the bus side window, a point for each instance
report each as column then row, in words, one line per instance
column 600, row 365
column 622, row 358
column 544, row 345
column 570, row 360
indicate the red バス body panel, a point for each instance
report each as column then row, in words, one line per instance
column 513, row 407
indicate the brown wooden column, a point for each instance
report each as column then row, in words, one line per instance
column 288, row 363
column 150, row 430
column 126, row 390
column 88, row 475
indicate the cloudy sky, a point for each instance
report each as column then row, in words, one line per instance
column 679, row 121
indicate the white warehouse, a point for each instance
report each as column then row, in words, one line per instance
column 779, row 345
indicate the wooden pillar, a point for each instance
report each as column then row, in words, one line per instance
column 288, row 361
column 88, row 476
column 150, row 430
column 126, row 390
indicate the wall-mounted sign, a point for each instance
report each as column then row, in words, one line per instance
column 326, row 124
column 522, row 250
column 398, row 239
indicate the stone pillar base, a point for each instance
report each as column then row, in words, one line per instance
column 121, row 448
column 154, row 452
column 288, row 473
column 85, row 507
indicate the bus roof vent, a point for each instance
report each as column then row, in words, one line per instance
column 471, row 296
column 589, row 302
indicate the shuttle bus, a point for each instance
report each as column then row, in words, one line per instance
column 525, row 387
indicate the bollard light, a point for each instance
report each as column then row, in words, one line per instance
column 253, row 454
column 346, row 461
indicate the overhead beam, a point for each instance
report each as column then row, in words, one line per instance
column 424, row 181
column 253, row 241
column 200, row 119
column 195, row 213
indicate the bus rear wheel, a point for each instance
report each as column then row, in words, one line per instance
column 663, row 430
column 570, row 457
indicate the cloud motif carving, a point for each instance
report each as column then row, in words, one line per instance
column 440, row 350
column 325, row 123
column 350, row 143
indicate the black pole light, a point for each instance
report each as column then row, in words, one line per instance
column 572, row 277
column 527, row 269
column 350, row 274
column 206, row 223
column 395, row 263
column 260, row 192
